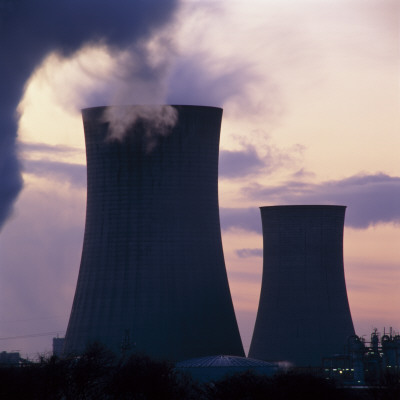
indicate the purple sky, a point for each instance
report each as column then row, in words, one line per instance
column 311, row 99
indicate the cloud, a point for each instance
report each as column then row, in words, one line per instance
column 234, row 164
column 246, row 253
column 62, row 172
column 204, row 79
column 50, row 161
column 370, row 200
column 27, row 147
column 225, row 80
column 242, row 218
column 249, row 161
column 220, row 62
column 303, row 174
column 32, row 30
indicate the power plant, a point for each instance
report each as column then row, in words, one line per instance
column 152, row 277
column 303, row 313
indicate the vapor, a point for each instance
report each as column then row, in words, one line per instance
column 31, row 30
column 158, row 120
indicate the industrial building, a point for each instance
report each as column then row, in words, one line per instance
column 373, row 362
column 10, row 358
column 303, row 312
column 58, row 346
column 152, row 277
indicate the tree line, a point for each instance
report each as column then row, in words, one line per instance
column 97, row 374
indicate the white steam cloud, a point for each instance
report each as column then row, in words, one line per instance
column 158, row 121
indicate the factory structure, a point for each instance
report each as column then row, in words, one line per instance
column 152, row 277
column 365, row 362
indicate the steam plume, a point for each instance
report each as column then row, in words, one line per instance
column 157, row 118
column 30, row 30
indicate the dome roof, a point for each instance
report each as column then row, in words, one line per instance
column 223, row 361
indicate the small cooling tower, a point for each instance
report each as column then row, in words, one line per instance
column 303, row 313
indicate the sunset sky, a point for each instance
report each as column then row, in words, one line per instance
column 310, row 92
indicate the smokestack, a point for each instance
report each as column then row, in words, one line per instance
column 303, row 314
column 152, row 277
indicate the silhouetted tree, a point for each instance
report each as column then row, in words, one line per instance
column 140, row 377
column 251, row 386
column 89, row 374
column 98, row 375
column 304, row 386
column 242, row 386
column 389, row 389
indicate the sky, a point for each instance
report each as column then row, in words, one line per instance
column 310, row 92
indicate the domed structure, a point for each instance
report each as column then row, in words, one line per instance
column 211, row 368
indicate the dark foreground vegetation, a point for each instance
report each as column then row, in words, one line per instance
column 97, row 374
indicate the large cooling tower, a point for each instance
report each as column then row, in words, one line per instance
column 152, row 275
column 303, row 313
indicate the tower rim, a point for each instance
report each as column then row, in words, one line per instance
column 152, row 105
column 303, row 206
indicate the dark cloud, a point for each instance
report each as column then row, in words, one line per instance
column 370, row 200
column 234, row 164
column 29, row 30
column 246, row 253
column 10, row 177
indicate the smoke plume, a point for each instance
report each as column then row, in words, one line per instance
column 30, row 30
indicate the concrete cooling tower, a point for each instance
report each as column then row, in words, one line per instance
column 303, row 313
column 152, row 277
